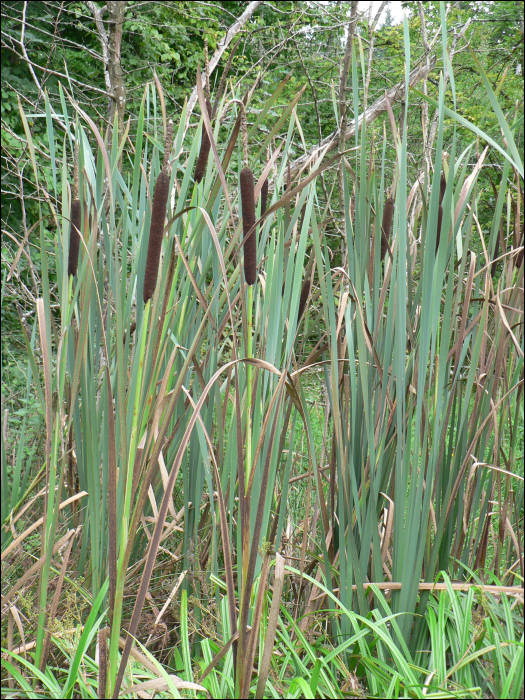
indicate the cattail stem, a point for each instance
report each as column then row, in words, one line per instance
column 249, row 379
column 167, row 146
column 248, row 456
column 244, row 135
column 207, row 72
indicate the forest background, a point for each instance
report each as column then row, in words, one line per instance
column 318, row 64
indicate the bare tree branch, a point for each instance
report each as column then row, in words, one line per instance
column 371, row 39
column 395, row 94
column 232, row 32
column 342, row 95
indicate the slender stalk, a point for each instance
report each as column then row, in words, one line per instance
column 249, row 379
column 248, row 462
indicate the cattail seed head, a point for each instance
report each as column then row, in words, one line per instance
column 305, row 293
column 248, row 220
column 74, row 237
column 519, row 257
column 131, row 331
column 264, row 196
column 202, row 161
column 156, row 233
column 442, row 187
column 440, row 219
column 386, row 227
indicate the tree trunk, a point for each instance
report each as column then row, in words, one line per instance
column 117, row 100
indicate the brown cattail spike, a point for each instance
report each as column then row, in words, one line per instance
column 519, row 257
column 440, row 219
column 442, row 187
column 248, row 220
column 388, row 215
column 305, row 293
column 156, row 233
column 264, row 196
column 202, row 161
column 74, row 219
column 131, row 331
column 74, row 237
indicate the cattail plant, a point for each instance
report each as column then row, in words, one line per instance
column 158, row 214
column 386, row 227
column 74, row 228
column 250, row 275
